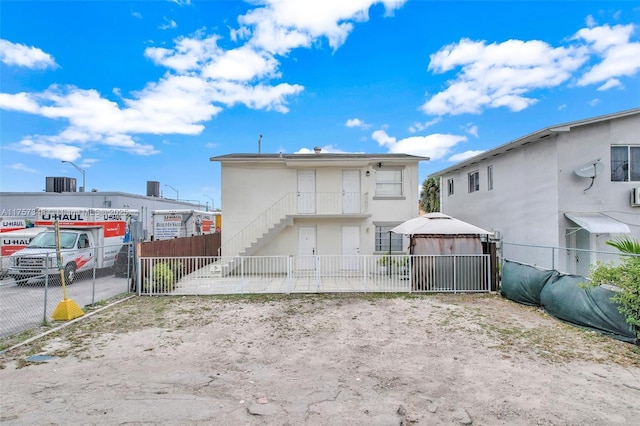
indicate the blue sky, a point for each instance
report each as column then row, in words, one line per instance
column 132, row 91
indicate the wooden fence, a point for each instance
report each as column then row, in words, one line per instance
column 201, row 245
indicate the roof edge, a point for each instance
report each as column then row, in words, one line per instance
column 534, row 137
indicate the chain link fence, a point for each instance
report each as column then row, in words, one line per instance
column 562, row 259
column 28, row 302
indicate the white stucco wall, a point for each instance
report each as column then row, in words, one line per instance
column 252, row 188
column 523, row 203
column 535, row 185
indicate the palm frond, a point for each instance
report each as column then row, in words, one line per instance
column 626, row 245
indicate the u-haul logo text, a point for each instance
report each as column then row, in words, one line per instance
column 15, row 241
column 63, row 216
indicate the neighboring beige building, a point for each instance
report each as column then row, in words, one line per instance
column 316, row 204
column 573, row 185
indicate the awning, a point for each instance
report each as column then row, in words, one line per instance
column 438, row 223
column 597, row 223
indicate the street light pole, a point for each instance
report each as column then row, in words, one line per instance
column 212, row 206
column 83, row 189
column 177, row 195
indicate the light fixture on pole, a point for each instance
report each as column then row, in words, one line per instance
column 177, row 195
column 212, row 207
column 82, row 189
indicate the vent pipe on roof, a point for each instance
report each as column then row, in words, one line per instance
column 317, row 149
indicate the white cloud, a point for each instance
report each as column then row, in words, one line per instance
column 418, row 127
column 24, row 102
column 16, row 54
column 283, row 25
column 168, row 24
column 202, row 79
column 326, row 149
column 47, row 149
column 612, row 82
column 463, row 156
column 471, row 129
column 434, row 146
column 499, row 74
column 619, row 56
column 211, row 145
column 189, row 54
column 88, row 162
column 22, row 168
column 136, row 15
column 242, row 64
column 356, row 122
column 561, row 107
column 494, row 75
column 181, row 2
column 594, row 102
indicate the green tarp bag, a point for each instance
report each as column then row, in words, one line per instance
column 523, row 283
column 568, row 299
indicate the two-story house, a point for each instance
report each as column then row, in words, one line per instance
column 316, row 204
column 573, row 185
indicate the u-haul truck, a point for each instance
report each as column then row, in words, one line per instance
column 88, row 237
column 168, row 224
column 15, row 223
column 13, row 241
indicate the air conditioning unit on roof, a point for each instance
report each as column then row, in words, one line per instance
column 635, row 197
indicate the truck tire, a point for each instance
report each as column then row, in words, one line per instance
column 69, row 273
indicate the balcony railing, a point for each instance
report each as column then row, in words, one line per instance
column 293, row 204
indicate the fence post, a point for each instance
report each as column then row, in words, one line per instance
column 93, row 285
column 139, row 277
column 242, row 282
column 289, row 274
column 409, row 272
column 489, row 267
column 365, row 277
column 46, row 290
column 318, row 282
column 455, row 275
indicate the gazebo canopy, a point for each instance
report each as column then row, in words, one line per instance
column 438, row 223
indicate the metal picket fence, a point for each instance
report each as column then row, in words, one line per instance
column 313, row 274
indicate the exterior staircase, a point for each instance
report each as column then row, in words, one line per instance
column 268, row 224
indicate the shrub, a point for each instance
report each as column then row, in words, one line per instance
column 162, row 279
column 625, row 276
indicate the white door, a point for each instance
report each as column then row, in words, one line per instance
column 84, row 258
column 351, row 191
column 578, row 260
column 350, row 247
column 306, row 247
column 583, row 260
column 306, row 191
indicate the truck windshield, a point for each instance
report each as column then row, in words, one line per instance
column 48, row 240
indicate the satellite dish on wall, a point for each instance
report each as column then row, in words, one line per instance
column 590, row 170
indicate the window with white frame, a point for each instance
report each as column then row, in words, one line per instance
column 386, row 240
column 489, row 178
column 389, row 183
column 625, row 163
column 474, row 181
column 450, row 186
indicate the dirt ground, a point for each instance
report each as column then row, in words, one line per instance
column 321, row 360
